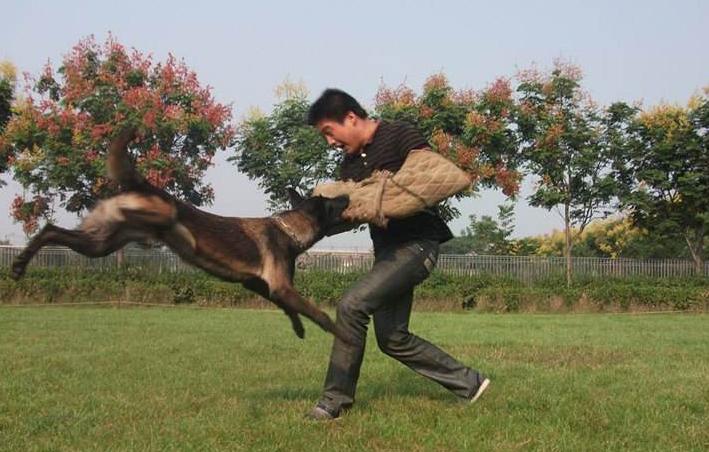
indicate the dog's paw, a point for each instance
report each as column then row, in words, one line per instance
column 298, row 326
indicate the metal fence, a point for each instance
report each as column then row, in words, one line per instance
column 526, row 268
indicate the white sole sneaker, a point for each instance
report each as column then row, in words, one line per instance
column 481, row 389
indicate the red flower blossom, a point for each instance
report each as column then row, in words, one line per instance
column 441, row 142
column 91, row 156
column 465, row 97
column 436, row 82
column 499, row 91
column 475, row 119
column 149, row 119
column 508, row 180
column 399, row 97
column 466, row 156
column 100, row 130
column 426, row 111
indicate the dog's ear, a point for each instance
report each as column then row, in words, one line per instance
column 294, row 198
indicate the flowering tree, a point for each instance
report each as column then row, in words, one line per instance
column 473, row 129
column 563, row 147
column 55, row 143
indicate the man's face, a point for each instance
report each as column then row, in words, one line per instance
column 345, row 135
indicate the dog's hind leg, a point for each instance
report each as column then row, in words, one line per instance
column 108, row 227
column 78, row 240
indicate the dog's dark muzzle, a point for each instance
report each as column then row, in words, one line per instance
column 335, row 223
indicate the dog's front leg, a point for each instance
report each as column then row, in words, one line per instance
column 295, row 321
column 259, row 286
column 289, row 297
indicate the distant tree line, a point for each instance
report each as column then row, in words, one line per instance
column 612, row 237
column 646, row 166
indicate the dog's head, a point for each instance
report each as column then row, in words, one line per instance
column 327, row 212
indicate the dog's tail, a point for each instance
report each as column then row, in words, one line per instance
column 119, row 165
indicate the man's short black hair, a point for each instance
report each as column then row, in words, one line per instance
column 334, row 104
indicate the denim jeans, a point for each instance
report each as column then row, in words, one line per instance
column 386, row 293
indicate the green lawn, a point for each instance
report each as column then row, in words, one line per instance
column 235, row 379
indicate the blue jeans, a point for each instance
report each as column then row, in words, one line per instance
column 386, row 293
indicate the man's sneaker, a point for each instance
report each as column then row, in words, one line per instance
column 322, row 413
column 478, row 392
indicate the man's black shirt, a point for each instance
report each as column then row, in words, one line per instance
column 388, row 149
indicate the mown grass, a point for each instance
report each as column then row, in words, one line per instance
column 235, row 379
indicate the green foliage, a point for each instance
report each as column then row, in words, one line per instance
column 324, row 287
column 7, row 95
column 485, row 235
column 612, row 237
column 7, row 92
column 281, row 151
column 439, row 292
column 663, row 162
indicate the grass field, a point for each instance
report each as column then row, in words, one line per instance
column 235, row 379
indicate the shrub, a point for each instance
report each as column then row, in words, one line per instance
column 440, row 291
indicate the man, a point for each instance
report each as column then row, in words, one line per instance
column 405, row 254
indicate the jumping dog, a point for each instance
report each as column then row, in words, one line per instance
column 260, row 253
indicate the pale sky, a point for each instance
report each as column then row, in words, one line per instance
column 633, row 50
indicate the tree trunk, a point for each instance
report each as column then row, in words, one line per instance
column 698, row 265
column 120, row 258
column 695, row 243
column 567, row 248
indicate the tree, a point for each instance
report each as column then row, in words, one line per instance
column 492, row 236
column 55, row 143
column 476, row 130
column 281, row 151
column 485, row 235
column 664, row 166
column 462, row 244
column 7, row 93
column 8, row 78
column 562, row 132
column 525, row 246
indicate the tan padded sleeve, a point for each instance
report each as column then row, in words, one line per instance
column 424, row 179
